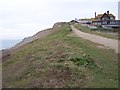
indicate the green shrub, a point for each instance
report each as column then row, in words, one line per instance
column 85, row 61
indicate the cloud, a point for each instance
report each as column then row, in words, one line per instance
column 19, row 31
column 21, row 18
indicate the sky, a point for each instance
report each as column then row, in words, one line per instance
column 119, row 10
column 24, row 18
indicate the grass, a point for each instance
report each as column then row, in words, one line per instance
column 99, row 32
column 61, row 60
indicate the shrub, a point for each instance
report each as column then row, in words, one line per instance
column 85, row 61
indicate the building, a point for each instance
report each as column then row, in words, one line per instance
column 107, row 22
column 105, row 16
column 105, row 19
column 85, row 21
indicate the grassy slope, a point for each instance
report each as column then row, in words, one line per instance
column 99, row 33
column 46, row 63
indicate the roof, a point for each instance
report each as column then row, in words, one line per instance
column 97, row 21
column 86, row 19
column 100, row 15
column 111, row 15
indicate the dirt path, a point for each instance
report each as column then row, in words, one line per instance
column 111, row 43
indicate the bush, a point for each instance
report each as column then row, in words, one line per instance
column 85, row 61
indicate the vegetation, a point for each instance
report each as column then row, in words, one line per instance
column 109, row 33
column 61, row 60
column 84, row 61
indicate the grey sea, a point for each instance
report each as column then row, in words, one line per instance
column 5, row 44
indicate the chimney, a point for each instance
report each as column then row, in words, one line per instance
column 108, row 12
column 95, row 14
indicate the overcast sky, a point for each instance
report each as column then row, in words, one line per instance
column 23, row 18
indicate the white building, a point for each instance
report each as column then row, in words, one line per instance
column 84, row 21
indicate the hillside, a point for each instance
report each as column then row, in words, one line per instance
column 59, row 59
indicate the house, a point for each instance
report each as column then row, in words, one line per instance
column 105, row 16
column 105, row 19
column 85, row 21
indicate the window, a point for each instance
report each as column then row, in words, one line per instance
column 98, row 18
column 111, row 17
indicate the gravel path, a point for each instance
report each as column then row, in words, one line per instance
column 111, row 43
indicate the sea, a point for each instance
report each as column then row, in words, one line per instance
column 8, row 43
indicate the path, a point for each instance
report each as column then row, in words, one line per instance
column 111, row 43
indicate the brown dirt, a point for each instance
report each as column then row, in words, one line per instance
column 111, row 43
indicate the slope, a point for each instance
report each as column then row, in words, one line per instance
column 61, row 60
